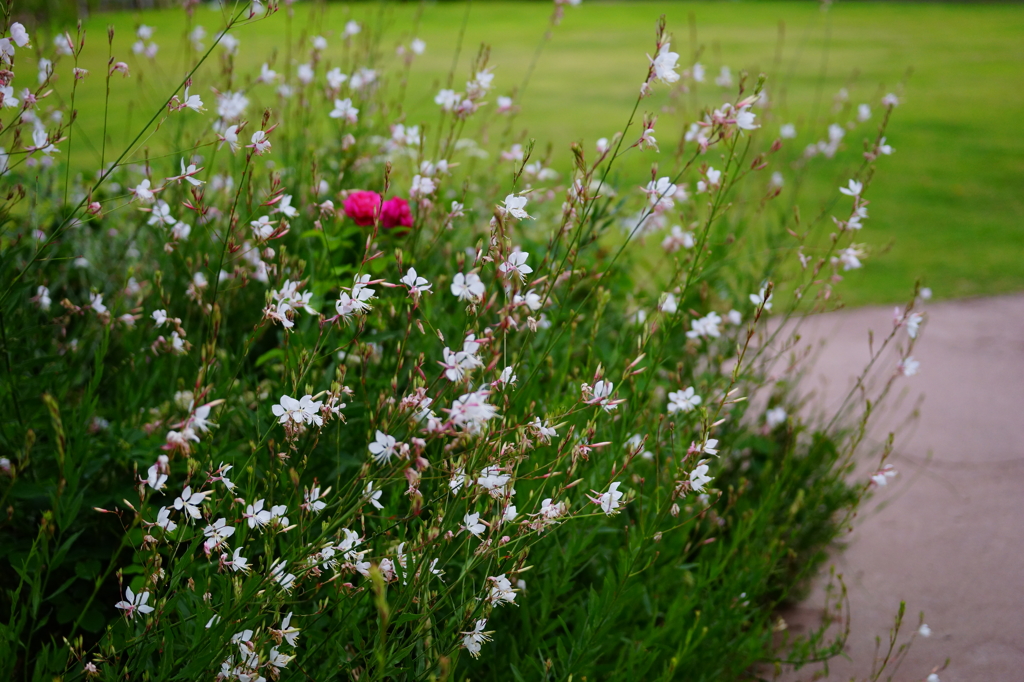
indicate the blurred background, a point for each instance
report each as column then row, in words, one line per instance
column 947, row 208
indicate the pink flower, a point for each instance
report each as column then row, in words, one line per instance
column 362, row 207
column 394, row 213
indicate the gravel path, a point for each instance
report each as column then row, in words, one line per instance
column 947, row 534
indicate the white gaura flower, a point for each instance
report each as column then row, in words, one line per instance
column 699, row 477
column 192, row 102
column 260, row 142
column 683, row 401
column 471, row 523
column 609, row 502
column 373, row 496
column 516, row 265
column 163, row 519
column 143, row 192
column 759, row 298
column 668, row 303
column 473, row 639
column 343, row 109
column 913, row 324
column 852, row 189
column 217, row 533
column 289, row 409
column 284, row 579
column 908, row 366
column 705, row 326
column 775, row 416
column 493, row 479
column 19, row 35
column 516, row 206
column 417, row 285
column 157, row 474
column 358, row 301
column 134, row 602
column 501, row 591
column 190, row 501
column 664, row 65
column 335, row 78
column 383, row 448
column 467, row 287
column 256, row 514
column 238, row 562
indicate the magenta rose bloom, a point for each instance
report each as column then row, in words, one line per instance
column 361, row 206
column 395, row 213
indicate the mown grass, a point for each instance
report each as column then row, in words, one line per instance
column 949, row 202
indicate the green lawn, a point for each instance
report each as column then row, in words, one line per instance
column 951, row 200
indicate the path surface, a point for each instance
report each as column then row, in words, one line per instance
column 947, row 535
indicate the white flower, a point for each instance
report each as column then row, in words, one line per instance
column 665, row 64
column 217, row 533
column 231, row 105
column 881, row 477
column 516, row 206
column 710, row 446
column 724, row 79
column 447, row 99
column 238, row 562
column 260, row 143
column 142, row 192
column 277, row 572
column 890, row 100
column 493, row 479
column 787, row 131
column 19, row 35
column 516, row 264
column 683, row 401
column 507, row 376
column 193, row 102
column 668, row 303
column 913, row 324
column 473, row 639
column 458, row 479
column 96, row 303
column 421, row 186
column 509, row 514
column 373, row 496
column 383, row 448
column 262, row 228
column 190, row 501
column 775, row 416
column 852, row 189
column 699, row 477
column 163, row 519
column 758, row 299
column 705, row 326
column 134, row 602
column 289, row 409
column 609, row 501
column 257, row 515
column 924, row 630
column 335, row 78
column 467, row 287
column 357, row 302
column 352, row 28
column 417, row 285
column 908, row 366
column 343, row 109
column 501, row 591
column 471, row 523
column 417, row 46
column 157, row 474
